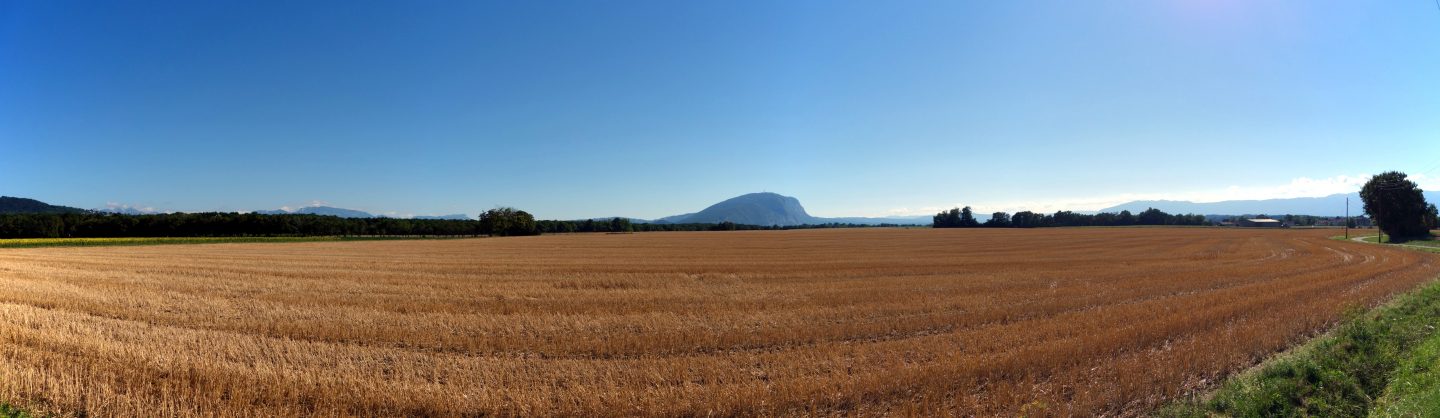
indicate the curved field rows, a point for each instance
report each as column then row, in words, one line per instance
column 1072, row 321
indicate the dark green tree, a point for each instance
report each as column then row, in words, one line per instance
column 1396, row 204
column 1027, row 219
column 724, row 226
column 1125, row 218
column 998, row 220
column 506, row 221
column 967, row 218
column 1152, row 216
column 948, row 219
column 1432, row 217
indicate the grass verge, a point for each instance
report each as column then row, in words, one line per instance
column 90, row 242
column 7, row 411
column 1376, row 361
column 1414, row 391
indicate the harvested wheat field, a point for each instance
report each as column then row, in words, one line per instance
column 1070, row 321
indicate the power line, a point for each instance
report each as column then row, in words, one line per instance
column 1437, row 162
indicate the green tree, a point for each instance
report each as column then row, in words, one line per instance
column 1432, row 217
column 967, row 218
column 998, row 220
column 1125, row 218
column 506, row 221
column 948, row 219
column 1027, row 219
column 620, row 225
column 1152, row 216
column 1396, row 204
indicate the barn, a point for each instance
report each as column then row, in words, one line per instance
column 1260, row 223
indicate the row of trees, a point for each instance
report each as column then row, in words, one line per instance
column 589, row 225
column 965, row 218
column 498, row 222
column 624, row 225
column 219, row 224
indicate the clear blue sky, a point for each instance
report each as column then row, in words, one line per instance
column 645, row 109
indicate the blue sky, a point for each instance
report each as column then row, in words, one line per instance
column 646, row 109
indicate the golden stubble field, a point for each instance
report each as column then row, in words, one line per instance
column 1071, row 321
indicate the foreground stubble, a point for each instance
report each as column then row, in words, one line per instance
column 975, row 322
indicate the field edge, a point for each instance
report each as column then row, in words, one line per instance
column 1351, row 369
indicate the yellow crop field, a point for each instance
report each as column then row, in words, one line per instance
column 1066, row 321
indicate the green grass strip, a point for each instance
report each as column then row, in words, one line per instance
column 7, row 411
column 1343, row 374
column 1414, row 391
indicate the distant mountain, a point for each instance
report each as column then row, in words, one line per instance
column 894, row 220
column 672, row 218
column 350, row 213
column 609, row 218
column 754, row 209
column 773, row 209
column 1332, row 205
column 319, row 210
column 125, row 210
column 22, row 205
column 458, row 216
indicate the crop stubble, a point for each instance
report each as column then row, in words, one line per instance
column 1070, row 321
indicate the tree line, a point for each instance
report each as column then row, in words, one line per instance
column 965, row 218
column 496, row 222
column 621, row 225
column 218, row 224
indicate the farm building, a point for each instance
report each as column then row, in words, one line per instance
column 1260, row 223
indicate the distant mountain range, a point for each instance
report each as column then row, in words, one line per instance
column 348, row 213
column 319, row 210
column 773, row 209
column 1332, row 205
column 456, row 216
column 126, row 210
column 22, row 205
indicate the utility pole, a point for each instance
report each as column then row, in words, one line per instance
column 1347, row 218
column 1379, row 233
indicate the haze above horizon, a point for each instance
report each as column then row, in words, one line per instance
column 647, row 109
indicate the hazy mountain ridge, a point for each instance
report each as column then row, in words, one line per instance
column 774, row 209
column 896, row 220
column 19, row 205
column 1332, row 205
column 453, row 216
column 127, row 210
column 352, row 213
column 320, row 210
column 767, row 209
column 24, row 205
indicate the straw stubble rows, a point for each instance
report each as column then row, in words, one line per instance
column 977, row 322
